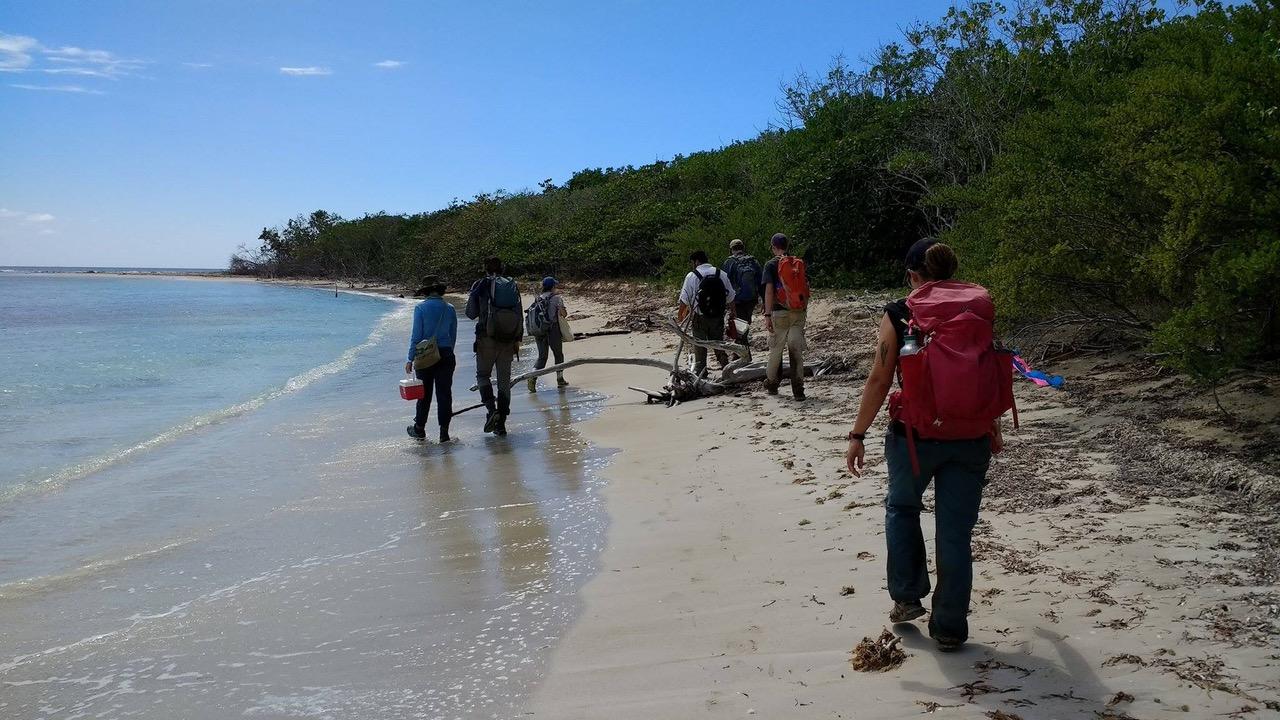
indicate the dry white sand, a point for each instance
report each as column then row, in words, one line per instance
column 743, row 565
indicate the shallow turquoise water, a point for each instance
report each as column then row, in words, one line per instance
column 93, row 366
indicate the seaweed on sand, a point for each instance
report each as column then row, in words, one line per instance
column 880, row 654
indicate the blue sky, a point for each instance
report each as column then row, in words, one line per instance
column 164, row 134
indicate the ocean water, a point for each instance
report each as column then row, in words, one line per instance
column 209, row 508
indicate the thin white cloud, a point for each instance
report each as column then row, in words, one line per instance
column 390, row 64
column 198, row 66
column 79, row 71
column 16, row 51
column 308, row 71
column 59, row 88
column 25, row 217
column 19, row 54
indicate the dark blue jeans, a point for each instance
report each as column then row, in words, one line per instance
column 958, row 469
column 440, row 378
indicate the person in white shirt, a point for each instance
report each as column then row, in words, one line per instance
column 708, row 301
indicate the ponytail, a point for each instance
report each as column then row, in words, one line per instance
column 940, row 262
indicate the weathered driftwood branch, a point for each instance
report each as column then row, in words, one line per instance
column 741, row 353
column 647, row 362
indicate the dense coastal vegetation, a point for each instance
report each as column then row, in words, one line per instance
column 1100, row 165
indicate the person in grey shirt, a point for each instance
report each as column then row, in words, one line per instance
column 494, row 353
column 553, row 342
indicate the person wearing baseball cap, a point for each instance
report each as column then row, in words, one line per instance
column 552, row 304
column 956, row 468
column 786, row 299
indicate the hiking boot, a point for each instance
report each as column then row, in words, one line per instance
column 798, row 396
column 501, row 428
column 491, row 421
column 533, row 385
column 946, row 644
column 444, row 436
column 906, row 612
column 561, row 382
column 416, row 432
column 771, row 388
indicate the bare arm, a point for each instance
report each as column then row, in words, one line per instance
column 768, row 306
column 874, row 392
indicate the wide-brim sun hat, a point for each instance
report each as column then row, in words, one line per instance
column 430, row 284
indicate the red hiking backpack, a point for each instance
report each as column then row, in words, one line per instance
column 959, row 382
column 793, row 288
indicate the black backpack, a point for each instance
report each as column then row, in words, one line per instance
column 745, row 276
column 712, row 296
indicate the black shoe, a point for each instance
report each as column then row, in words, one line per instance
column 770, row 388
column 946, row 644
column 416, row 432
column 444, row 436
column 798, row 396
column 906, row 612
column 491, row 421
column 501, row 428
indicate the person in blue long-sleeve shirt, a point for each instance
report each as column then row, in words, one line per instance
column 434, row 317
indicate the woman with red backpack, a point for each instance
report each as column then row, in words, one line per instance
column 955, row 384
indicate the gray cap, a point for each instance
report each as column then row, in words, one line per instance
column 736, row 244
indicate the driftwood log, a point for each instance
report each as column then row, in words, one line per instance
column 682, row 383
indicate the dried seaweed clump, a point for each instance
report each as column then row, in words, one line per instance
column 880, row 654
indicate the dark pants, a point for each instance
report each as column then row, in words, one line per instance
column 440, row 378
column 707, row 328
column 491, row 355
column 551, row 343
column 744, row 311
column 958, row 469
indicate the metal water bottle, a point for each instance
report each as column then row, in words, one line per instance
column 909, row 344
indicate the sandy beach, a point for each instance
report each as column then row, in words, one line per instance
column 743, row 563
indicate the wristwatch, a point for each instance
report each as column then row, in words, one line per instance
column 860, row 437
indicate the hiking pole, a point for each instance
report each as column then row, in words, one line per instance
column 456, row 413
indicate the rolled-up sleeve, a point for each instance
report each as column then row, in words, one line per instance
column 688, row 290
column 728, row 288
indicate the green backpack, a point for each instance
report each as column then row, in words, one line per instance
column 503, row 321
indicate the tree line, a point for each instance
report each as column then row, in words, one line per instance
column 1099, row 164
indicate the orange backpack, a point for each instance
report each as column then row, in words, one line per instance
column 793, row 289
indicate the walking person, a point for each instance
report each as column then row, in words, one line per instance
column 707, row 294
column 436, row 319
column 494, row 303
column 944, row 432
column 744, row 274
column 543, row 322
column 786, row 297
